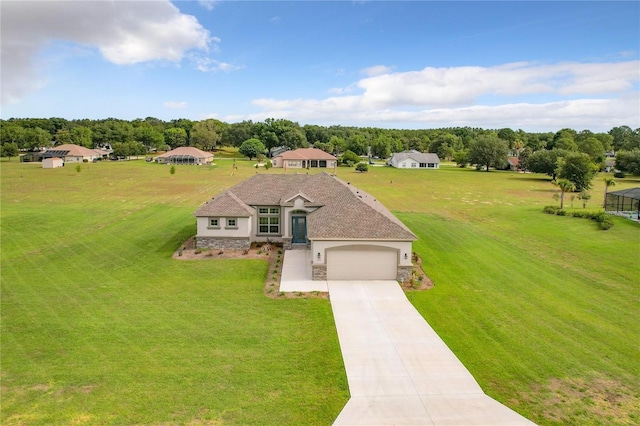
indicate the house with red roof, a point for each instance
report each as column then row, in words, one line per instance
column 349, row 234
column 304, row 158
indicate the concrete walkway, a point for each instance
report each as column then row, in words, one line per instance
column 399, row 370
column 296, row 273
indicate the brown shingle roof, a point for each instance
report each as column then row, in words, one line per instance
column 74, row 150
column 225, row 204
column 346, row 212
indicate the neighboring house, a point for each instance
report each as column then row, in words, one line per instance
column 414, row 160
column 303, row 158
column 514, row 163
column 52, row 163
column 350, row 234
column 609, row 164
column 71, row 153
column 185, row 155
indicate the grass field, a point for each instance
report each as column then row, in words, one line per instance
column 101, row 326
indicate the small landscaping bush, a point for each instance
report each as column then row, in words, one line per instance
column 604, row 220
column 619, row 174
column 362, row 167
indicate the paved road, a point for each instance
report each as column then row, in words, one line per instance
column 399, row 370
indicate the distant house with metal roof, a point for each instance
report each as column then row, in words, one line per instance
column 185, row 155
column 414, row 160
column 304, row 158
column 349, row 234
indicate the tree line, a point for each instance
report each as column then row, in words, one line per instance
column 485, row 148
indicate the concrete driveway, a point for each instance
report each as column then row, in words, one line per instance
column 399, row 371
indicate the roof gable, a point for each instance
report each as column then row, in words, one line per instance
column 225, row 204
column 72, row 150
column 345, row 211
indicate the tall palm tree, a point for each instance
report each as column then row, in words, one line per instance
column 607, row 183
column 565, row 185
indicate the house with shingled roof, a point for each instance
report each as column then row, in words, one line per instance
column 71, row 153
column 349, row 233
column 414, row 160
column 185, row 155
column 304, row 158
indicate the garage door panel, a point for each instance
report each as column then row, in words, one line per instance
column 362, row 263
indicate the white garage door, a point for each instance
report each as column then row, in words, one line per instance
column 362, row 263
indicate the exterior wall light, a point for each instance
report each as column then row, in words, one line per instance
column 406, row 256
column 318, row 255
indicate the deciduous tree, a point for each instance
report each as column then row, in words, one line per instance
column 9, row 149
column 488, row 151
column 629, row 162
column 577, row 168
column 206, row 134
column 251, row 148
column 544, row 161
column 175, row 137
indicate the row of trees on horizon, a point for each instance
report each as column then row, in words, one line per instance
column 465, row 145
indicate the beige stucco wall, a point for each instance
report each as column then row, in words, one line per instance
column 320, row 246
column 298, row 204
column 243, row 230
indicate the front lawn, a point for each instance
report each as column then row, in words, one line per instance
column 101, row 326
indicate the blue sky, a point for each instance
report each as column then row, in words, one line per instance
column 538, row 66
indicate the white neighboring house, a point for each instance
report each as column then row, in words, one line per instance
column 71, row 153
column 52, row 163
column 414, row 160
column 350, row 234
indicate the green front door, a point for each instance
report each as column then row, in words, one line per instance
column 299, row 229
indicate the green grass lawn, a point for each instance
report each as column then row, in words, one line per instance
column 101, row 326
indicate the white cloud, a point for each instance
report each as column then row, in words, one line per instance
column 376, row 70
column 591, row 95
column 208, row 4
column 458, row 86
column 175, row 105
column 206, row 64
column 126, row 32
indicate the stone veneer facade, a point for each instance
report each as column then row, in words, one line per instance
column 319, row 273
column 404, row 273
column 229, row 243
